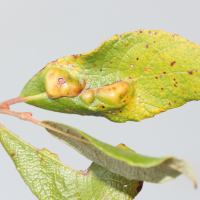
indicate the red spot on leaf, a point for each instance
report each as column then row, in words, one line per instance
column 61, row 80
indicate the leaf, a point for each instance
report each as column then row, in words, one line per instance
column 122, row 161
column 131, row 76
column 49, row 179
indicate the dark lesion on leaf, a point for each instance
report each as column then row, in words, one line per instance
column 156, row 77
column 162, row 88
column 173, row 63
column 169, row 104
column 102, row 107
column 164, row 72
column 190, row 72
column 12, row 154
column 140, row 185
column 147, row 46
column 137, row 58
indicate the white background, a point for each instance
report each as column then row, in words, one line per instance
column 33, row 33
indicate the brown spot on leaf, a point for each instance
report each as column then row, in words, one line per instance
column 154, row 41
column 147, row 46
column 149, row 32
column 12, row 154
column 140, row 31
column 139, row 187
column 101, row 70
column 111, row 63
column 164, row 72
column 72, row 111
column 169, row 103
column 127, row 45
column 195, row 92
column 137, row 58
column 190, row 72
column 53, row 63
column 94, row 64
column 156, row 77
column 174, row 101
column 175, row 85
column 74, row 56
column 102, row 107
column 162, row 88
column 173, row 63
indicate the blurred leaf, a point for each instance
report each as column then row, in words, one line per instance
column 123, row 161
column 49, row 179
column 131, row 76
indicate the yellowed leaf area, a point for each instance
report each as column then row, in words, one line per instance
column 131, row 76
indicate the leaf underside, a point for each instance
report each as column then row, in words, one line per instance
column 123, row 161
column 163, row 70
column 49, row 179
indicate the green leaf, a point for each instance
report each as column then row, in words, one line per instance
column 123, row 161
column 131, row 76
column 49, row 179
